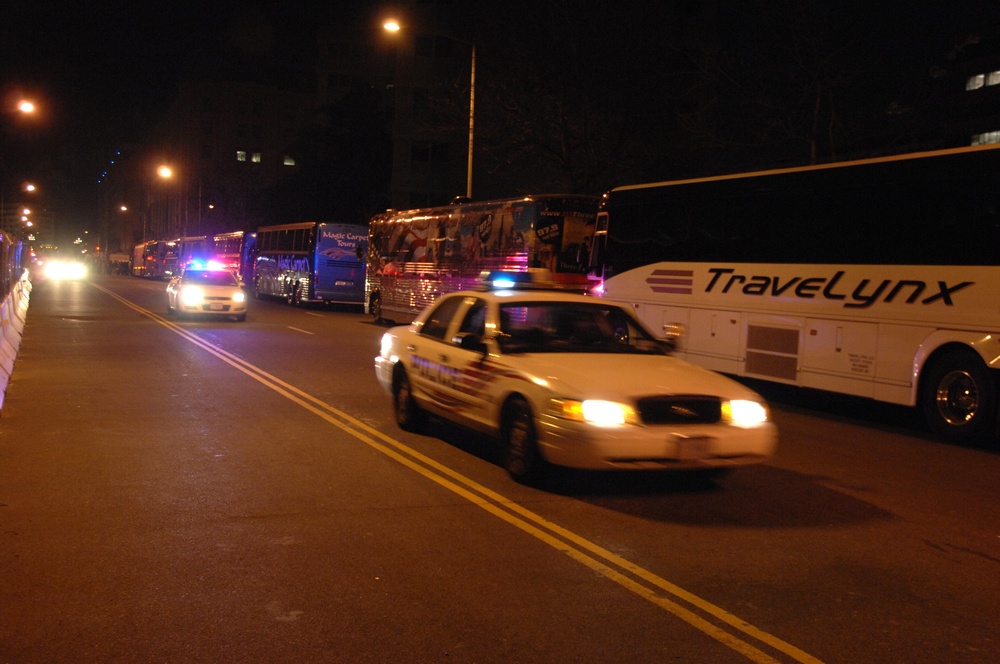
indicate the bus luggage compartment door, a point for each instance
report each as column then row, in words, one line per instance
column 712, row 339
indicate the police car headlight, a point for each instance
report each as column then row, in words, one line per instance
column 192, row 295
column 595, row 411
column 239, row 296
column 744, row 413
column 386, row 348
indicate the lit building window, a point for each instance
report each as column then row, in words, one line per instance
column 975, row 82
column 255, row 157
column 241, row 155
column 289, row 161
column 993, row 78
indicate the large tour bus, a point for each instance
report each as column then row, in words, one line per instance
column 416, row 255
column 155, row 259
column 877, row 277
column 196, row 248
column 311, row 262
column 236, row 250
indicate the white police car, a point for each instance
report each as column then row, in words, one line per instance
column 206, row 290
column 567, row 379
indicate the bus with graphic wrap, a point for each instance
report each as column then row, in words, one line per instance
column 416, row 255
column 876, row 278
column 311, row 262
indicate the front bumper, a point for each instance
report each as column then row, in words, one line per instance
column 383, row 371
column 631, row 447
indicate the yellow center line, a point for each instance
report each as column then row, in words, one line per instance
column 628, row 575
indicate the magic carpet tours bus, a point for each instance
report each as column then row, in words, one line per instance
column 311, row 262
column 877, row 278
column 414, row 256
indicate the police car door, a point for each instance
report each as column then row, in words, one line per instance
column 470, row 363
column 448, row 360
column 432, row 376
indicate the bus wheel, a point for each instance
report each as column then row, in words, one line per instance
column 521, row 456
column 409, row 415
column 958, row 397
column 375, row 308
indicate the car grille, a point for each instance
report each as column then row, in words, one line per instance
column 681, row 409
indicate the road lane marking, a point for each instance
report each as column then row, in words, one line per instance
column 628, row 575
column 301, row 330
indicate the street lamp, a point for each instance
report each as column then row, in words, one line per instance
column 393, row 26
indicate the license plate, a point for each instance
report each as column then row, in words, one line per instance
column 215, row 306
column 690, row 449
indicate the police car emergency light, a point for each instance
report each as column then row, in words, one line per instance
column 533, row 279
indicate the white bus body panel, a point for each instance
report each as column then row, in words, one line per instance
column 865, row 330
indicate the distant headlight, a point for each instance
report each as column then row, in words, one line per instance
column 595, row 411
column 744, row 413
column 65, row 270
column 192, row 295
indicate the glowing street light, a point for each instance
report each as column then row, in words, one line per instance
column 393, row 26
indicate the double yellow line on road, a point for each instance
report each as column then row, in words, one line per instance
column 697, row 612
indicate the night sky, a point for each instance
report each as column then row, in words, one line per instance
column 102, row 73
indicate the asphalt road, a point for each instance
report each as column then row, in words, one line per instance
column 191, row 491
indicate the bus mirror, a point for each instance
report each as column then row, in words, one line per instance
column 672, row 333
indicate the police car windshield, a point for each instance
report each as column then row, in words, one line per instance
column 571, row 327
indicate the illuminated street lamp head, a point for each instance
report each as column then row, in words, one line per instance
column 25, row 106
column 391, row 25
column 165, row 172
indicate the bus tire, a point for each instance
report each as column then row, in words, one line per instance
column 409, row 415
column 375, row 307
column 522, row 458
column 958, row 397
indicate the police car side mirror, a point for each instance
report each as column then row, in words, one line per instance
column 469, row 341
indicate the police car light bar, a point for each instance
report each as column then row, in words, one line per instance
column 534, row 278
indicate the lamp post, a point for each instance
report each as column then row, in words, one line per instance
column 393, row 26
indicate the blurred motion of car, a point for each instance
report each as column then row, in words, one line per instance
column 567, row 379
column 201, row 290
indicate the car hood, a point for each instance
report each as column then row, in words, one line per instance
column 615, row 376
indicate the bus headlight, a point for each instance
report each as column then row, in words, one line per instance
column 744, row 413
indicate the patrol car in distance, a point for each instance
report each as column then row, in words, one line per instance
column 206, row 290
column 569, row 380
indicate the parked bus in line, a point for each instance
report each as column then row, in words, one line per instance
column 196, row 248
column 311, row 262
column 155, row 259
column 236, row 250
column 876, row 278
column 416, row 255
